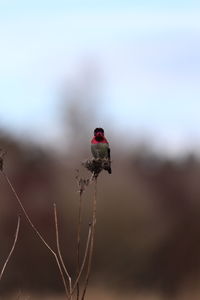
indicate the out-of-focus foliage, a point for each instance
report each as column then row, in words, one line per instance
column 148, row 218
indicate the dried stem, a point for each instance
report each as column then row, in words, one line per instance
column 79, row 238
column 84, row 259
column 58, row 248
column 37, row 232
column 92, row 238
column 12, row 249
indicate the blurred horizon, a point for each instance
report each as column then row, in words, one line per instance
column 136, row 63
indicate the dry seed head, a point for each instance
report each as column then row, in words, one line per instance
column 96, row 165
column 2, row 154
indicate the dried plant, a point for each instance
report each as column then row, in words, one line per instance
column 12, row 249
column 82, row 185
column 59, row 251
column 2, row 154
column 94, row 202
column 55, row 255
column 95, row 166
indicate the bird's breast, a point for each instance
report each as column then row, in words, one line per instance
column 100, row 150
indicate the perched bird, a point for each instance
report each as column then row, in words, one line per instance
column 100, row 147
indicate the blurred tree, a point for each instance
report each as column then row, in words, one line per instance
column 81, row 110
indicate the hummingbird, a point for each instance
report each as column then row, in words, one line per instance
column 100, row 147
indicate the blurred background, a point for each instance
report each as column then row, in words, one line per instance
column 133, row 68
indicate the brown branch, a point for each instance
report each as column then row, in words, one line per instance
column 37, row 232
column 58, row 248
column 12, row 249
column 84, row 259
column 92, row 238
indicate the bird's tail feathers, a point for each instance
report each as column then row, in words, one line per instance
column 109, row 170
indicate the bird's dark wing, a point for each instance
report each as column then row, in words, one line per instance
column 109, row 153
column 109, row 167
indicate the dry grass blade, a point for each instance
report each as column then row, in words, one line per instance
column 37, row 232
column 58, row 248
column 12, row 249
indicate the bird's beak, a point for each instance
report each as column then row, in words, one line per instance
column 99, row 134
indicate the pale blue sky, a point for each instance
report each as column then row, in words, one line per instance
column 146, row 52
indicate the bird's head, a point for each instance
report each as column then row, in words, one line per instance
column 99, row 134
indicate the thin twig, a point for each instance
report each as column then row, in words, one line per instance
column 37, row 232
column 79, row 238
column 92, row 238
column 84, row 259
column 12, row 249
column 58, row 248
